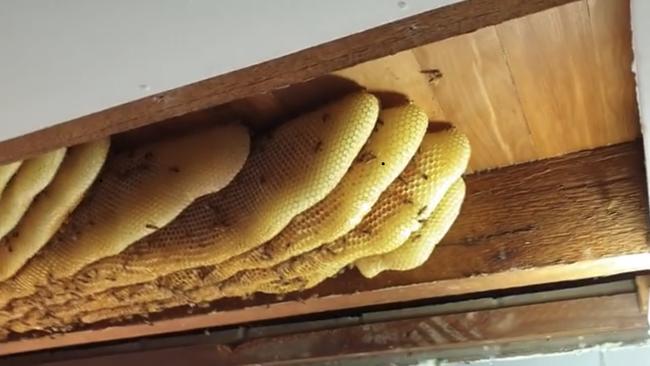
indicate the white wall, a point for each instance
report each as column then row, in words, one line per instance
column 61, row 59
column 608, row 355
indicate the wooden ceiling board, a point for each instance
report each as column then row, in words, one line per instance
column 441, row 23
column 477, row 95
column 554, row 62
column 531, row 88
column 610, row 26
column 479, row 328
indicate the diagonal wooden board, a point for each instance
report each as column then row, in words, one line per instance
column 579, row 216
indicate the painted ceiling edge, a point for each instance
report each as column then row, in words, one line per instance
column 640, row 10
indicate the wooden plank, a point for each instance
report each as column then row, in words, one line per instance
column 400, row 73
column 612, row 37
column 477, row 94
column 571, row 70
column 388, row 39
column 643, row 292
column 489, row 329
column 569, row 218
column 291, row 307
column 540, row 321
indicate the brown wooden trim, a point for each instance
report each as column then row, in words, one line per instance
column 493, row 331
column 298, row 67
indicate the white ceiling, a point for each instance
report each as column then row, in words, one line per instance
column 61, row 59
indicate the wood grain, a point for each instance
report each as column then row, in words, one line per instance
column 400, row 73
column 492, row 85
column 543, row 323
column 612, row 37
column 643, row 292
column 579, row 216
column 482, row 81
column 477, row 94
column 569, row 68
column 388, row 39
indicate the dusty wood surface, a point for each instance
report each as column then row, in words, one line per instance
column 489, row 329
column 579, row 216
column 298, row 67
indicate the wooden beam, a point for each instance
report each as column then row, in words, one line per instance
column 579, row 216
column 494, row 332
column 301, row 66
column 643, row 292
